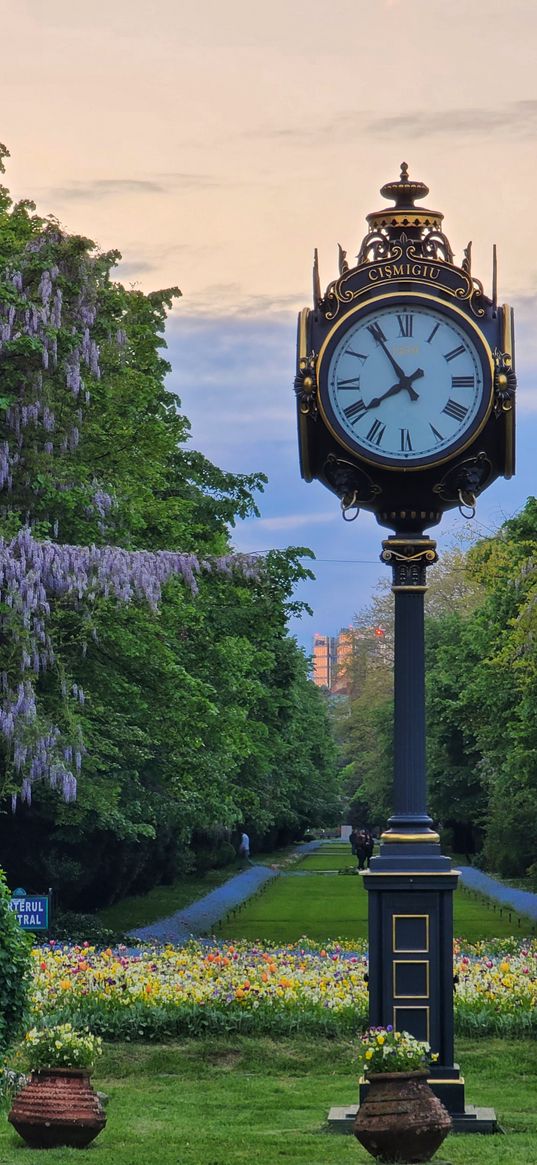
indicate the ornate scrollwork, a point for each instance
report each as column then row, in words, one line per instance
column 352, row 484
column 476, row 297
column 342, row 260
column 467, row 478
column 306, row 386
column 435, row 245
column 504, row 383
column 375, row 247
column 409, row 560
column 467, row 261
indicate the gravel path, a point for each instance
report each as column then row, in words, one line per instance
column 198, row 918
column 202, row 915
column 522, row 901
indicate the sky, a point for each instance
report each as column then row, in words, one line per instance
column 215, row 145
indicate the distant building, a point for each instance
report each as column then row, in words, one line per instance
column 333, row 656
column 323, row 660
column 344, row 650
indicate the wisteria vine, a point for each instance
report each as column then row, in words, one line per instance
column 57, row 317
column 32, row 574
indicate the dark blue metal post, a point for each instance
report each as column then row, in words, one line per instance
column 410, row 884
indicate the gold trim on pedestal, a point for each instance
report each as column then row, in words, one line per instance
column 411, row 950
column 412, row 1007
column 410, row 963
column 399, row 837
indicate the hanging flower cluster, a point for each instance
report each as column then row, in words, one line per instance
column 32, row 574
column 39, row 342
column 56, row 313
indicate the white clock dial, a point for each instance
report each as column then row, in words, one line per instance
column 406, row 382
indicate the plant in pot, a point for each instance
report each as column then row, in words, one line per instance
column 400, row 1119
column 58, row 1106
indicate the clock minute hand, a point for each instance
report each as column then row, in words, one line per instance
column 393, row 362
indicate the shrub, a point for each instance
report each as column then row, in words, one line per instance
column 15, row 970
column 61, row 1046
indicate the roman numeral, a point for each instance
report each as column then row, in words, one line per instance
column 354, row 382
column 455, row 410
column 359, row 355
column 433, row 333
column 355, row 411
column 377, row 333
column 462, row 381
column 406, row 443
column 376, row 432
column 456, row 352
column 438, row 435
column 405, row 324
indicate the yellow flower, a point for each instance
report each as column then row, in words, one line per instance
column 368, row 1054
column 381, row 1040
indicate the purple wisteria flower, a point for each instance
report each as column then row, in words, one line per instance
column 32, row 575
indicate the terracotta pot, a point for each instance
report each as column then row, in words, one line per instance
column 58, row 1107
column 401, row 1119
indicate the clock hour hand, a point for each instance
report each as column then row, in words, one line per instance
column 405, row 382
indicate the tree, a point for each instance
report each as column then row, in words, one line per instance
column 166, row 708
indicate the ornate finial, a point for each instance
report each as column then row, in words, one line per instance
column 405, row 224
column 405, row 192
column 343, row 265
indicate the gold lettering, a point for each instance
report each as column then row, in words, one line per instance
column 393, row 270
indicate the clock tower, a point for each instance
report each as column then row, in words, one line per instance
column 405, row 390
column 405, row 382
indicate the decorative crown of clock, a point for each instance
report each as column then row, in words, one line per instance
column 405, row 382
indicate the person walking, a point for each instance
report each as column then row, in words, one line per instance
column 369, row 846
column 361, row 849
column 244, row 847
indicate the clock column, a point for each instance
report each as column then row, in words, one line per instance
column 411, row 884
column 409, row 559
column 405, row 403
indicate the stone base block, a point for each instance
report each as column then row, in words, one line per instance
column 341, row 1119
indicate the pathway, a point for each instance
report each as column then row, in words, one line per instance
column 205, row 913
column 200, row 916
column 523, row 901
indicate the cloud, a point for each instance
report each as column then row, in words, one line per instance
column 152, row 258
column 291, row 521
column 100, row 188
column 224, row 300
column 516, row 118
column 142, row 267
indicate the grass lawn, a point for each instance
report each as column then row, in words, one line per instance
column 162, row 901
column 326, row 908
column 234, row 1101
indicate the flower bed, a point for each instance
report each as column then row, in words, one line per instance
column 160, row 992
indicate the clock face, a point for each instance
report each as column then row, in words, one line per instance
column 407, row 383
